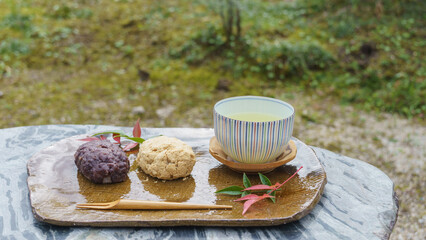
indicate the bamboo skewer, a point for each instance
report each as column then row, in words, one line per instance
column 149, row 205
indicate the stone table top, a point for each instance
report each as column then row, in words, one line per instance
column 359, row 201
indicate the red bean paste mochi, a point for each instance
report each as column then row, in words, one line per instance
column 102, row 162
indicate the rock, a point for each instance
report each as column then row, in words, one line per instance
column 358, row 202
column 138, row 110
column 165, row 112
column 368, row 49
column 1, row 94
column 358, row 195
column 143, row 75
column 223, row 84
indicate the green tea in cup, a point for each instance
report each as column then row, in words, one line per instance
column 254, row 117
column 252, row 129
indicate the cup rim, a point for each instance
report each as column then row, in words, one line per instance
column 254, row 97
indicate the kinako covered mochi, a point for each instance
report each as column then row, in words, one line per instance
column 166, row 158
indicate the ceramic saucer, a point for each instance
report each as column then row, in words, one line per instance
column 217, row 152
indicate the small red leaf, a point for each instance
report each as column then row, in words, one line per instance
column 250, row 202
column 130, row 146
column 88, row 139
column 137, row 130
column 247, row 197
column 116, row 137
column 102, row 137
column 259, row 187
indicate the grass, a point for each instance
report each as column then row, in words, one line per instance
column 79, row 61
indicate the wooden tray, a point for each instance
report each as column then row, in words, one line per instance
column 56, row 187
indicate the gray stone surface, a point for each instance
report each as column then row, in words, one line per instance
column 358, row 201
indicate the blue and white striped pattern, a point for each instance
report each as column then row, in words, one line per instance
column 253, row 142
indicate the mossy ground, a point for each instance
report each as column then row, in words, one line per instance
column 78, row 62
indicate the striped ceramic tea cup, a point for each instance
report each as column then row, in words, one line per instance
column 253, row 129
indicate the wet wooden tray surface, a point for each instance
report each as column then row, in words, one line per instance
column 56, row 187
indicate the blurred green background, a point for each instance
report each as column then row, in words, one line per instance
column 354, row 70
column 111, row 62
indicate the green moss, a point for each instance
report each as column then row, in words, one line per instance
column 78, row 62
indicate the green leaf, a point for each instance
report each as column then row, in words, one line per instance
column 273, row 195
column 245, row 193
column 246, row 181
column 136, row 139
column 232, row 190
column 265, row 180
column 118, row 134
column 110, row 132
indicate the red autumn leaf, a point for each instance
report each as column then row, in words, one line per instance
column 260, row 187
column 88, row 139
column 116, row 137
column 130, row 146
column 250, row 202
column 247, row 197
column 250, row 199
column 137, row 130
